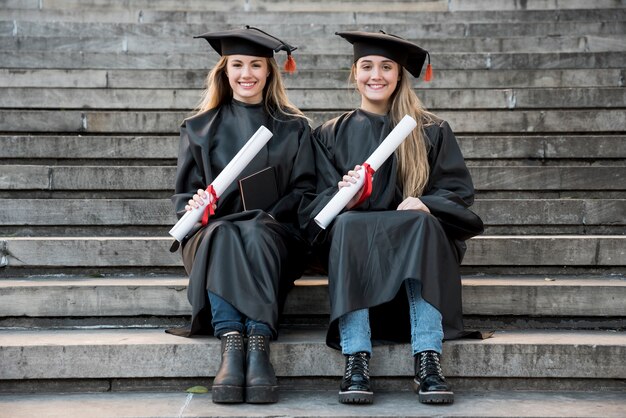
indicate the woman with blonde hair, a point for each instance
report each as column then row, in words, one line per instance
column 393, row 256
column 244, row 257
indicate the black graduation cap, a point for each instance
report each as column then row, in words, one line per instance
column 404, row 52
column 249, row 41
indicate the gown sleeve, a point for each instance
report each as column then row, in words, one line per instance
column 450, row 191
column 301, row 180
column 189, row 173
column 326, row 178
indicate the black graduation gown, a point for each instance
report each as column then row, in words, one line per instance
column 373, row 248
column 249, row 258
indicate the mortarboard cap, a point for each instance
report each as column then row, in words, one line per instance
column 249, row 41
column 404, row 52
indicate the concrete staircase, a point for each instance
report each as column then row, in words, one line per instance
column 91, row 96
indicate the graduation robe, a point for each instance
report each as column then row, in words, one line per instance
column 249, row 258
column 373, row 248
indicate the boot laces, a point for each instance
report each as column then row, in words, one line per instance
column 357, row 364
column 430, row 365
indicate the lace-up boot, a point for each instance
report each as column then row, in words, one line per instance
column 261, row 384
column 429, row 383
column 355, row 386
column 228, row 385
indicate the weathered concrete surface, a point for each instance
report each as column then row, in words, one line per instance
column 78, row 147
column 77, row 297
column 322, row 15
column 530, row 250
column 561, row 98
column 311, row 79
column 16, row 177
column 153, row 353
column 317, row 404
column 340, row 59
column 109, row 212
column 480, row 147
column 88, row 212
column 167, row 122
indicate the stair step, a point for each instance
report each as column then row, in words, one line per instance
column 86, row 121
column 530, row 4
column 329, row 14
column 311, row 79
column 42, row 177
column 470, row 402
column 561, row 98
column 138, row 148
column 159, row 212
column 204, row 60
column 326, row 43
column 553, row 296
column 153, row 353
column 153, row 252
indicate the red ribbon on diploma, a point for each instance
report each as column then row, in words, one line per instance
column 209, row 209
column 367, row 186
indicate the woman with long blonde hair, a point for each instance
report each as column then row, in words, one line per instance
column 242, row 259
column 393, row 257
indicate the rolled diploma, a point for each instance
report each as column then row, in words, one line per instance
column 378, row 157
column 228, row 175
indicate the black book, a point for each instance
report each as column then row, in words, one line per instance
column 259, row 190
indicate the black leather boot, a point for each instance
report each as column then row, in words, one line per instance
column 355, row 386
column 228, row 385
column 429, row 383
column 261, row 384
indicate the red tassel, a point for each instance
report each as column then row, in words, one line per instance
column 290, row 65
column 429, row 73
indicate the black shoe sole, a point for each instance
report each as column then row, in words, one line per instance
column 356, row 397
column 262, row 394
column 227, row 394
column 432, row 397
column 436, row 397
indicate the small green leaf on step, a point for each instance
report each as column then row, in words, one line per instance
column 197, row 389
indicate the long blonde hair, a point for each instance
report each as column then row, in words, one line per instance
column 413, row 168
column 218, row 91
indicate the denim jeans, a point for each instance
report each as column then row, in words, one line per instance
column 426, row 325
column 227, row 318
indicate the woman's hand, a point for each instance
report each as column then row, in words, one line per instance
column 413, row 203
column 198, row 200
column 347, row 181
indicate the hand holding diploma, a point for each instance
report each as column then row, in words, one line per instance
column 228, row 175
column 373, row 163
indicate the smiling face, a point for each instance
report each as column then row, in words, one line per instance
column 247, row 76
column 376, row 79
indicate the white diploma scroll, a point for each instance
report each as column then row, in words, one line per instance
column 378, row 157
column 228, row 175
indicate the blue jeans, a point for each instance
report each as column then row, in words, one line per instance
column 227, row 318
column 426, row 325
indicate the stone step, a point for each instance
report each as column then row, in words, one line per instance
column 530, row 4
column 328, row 61
column 310, row 79
column 324, row 15
column 139, row 148
column 127, row 353
column 153, row 252
column 314, row 402
column 244, row 5
column 543, row 98
column 52, row 178
column 313, row 45
column 159, row 212
column 595, row 121
column 552, row 296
